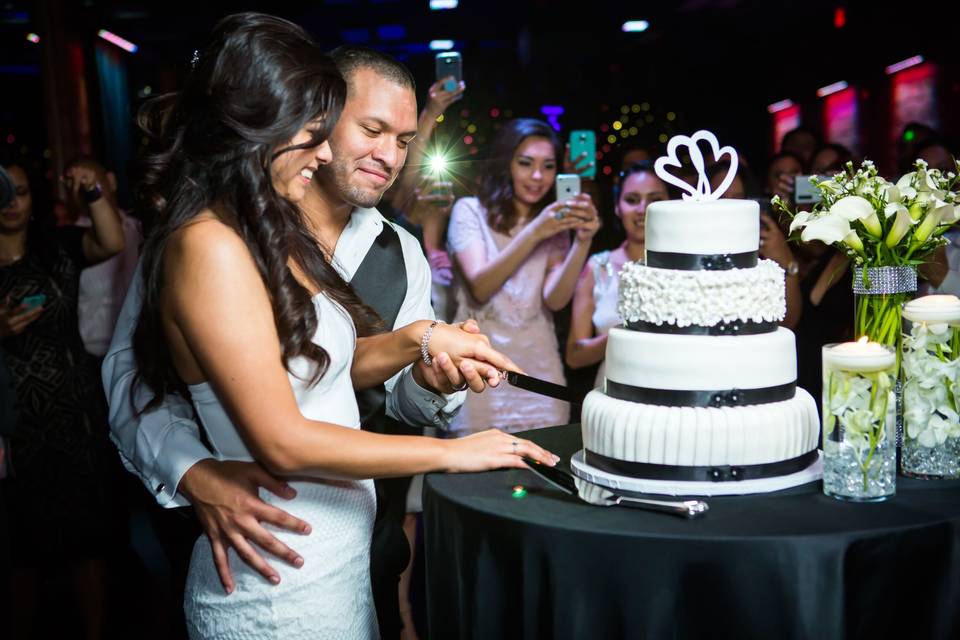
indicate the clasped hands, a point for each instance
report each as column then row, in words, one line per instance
column 461, row 358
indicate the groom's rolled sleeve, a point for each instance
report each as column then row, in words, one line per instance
column 410, row 403
column 407, row 401
column 160, row 445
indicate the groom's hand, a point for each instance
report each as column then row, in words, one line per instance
column 225, row 496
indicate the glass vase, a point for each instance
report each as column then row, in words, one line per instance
column 931, row 388
column 859, row 423
column 879, row 294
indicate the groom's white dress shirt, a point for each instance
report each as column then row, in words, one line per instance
column 160, row 445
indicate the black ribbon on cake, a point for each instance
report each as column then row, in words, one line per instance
column 736, row 328
column 701, row 261
column 715, row 399
column 716, row 473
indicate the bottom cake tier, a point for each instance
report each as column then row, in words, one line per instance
column 646, row 440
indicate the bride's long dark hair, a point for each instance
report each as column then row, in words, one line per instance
column 258, row 82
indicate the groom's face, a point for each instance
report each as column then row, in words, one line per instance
column 369, row 142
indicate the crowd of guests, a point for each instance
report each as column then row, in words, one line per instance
column 532, row 271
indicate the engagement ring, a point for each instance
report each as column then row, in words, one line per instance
column 515, row 443
column 562, row 213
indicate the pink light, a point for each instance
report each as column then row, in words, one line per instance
column 468, row 139
column 839, row 18
column 34, row 38
column 903, row 64
column 831, row 88
column 113, row 38
column 779, row 106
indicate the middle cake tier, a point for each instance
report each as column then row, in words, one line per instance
column 700, row 370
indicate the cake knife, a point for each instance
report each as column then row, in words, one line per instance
column 536, row 385
column 564, row 481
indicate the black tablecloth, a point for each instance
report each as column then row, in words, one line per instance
column 794, row 564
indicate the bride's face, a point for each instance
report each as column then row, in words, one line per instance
column 293, row 170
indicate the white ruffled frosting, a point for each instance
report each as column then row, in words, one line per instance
column 698, row 436
column 705, row 298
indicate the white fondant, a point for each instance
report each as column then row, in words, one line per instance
column 690, row 436
column 705, row 298
column 712, row 227
column 703, row 363
column 701, row 191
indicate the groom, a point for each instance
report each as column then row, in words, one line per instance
column 390, row 273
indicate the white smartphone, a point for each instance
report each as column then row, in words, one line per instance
column 804, row 191
column 568, row 186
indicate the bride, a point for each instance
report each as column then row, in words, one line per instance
column 243, row 313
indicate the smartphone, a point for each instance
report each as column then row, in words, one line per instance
column 568, row 186
column 32, row 302
column 584, row 141
column 449, row 63
column 804, row 191
column 439, row 192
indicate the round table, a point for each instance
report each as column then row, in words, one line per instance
column 794, row 564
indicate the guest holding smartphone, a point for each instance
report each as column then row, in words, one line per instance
column 516, row 265
column 57, row 496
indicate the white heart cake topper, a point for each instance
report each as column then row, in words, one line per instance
column 702, row 190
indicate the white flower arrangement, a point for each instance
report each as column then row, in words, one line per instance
column 879, row 223
column 931, row 393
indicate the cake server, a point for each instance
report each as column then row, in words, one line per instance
column 536, row 385
column 564, row 481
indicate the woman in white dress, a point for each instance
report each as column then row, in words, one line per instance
column 595, row 300
column 516, row 265
column 243, row 312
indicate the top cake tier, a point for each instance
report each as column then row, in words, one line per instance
column 712, row 228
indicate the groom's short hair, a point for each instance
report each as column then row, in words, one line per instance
column 350, row 58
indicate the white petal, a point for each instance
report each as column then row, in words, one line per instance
column 827, row 228
column 800, row 220
column 852, row 208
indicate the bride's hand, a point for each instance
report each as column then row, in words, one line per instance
column 470, row 352
column 493, row 449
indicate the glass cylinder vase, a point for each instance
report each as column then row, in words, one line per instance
column 931, row 388
column 859, row 421
column 879, row 294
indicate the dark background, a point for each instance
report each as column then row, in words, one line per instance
column 713, row 64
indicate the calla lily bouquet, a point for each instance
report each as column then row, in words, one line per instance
column 878, row 223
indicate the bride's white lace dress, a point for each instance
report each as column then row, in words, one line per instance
column 330, row 596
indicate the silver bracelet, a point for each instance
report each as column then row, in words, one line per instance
column 425, row 343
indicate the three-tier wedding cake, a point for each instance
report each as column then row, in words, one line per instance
column 700, row 379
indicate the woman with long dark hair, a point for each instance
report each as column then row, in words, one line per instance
column 58, row 495
column 516, row 266
column 243, row 312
